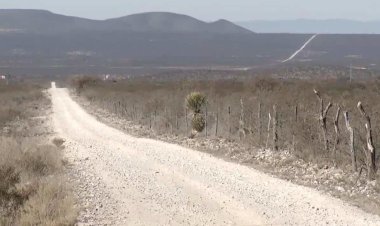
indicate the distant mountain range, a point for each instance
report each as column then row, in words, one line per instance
column 333, row 26
column 41, row 21
column 37, row 38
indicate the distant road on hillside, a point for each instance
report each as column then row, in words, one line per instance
column 300, row 49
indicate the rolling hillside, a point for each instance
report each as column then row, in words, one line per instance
column 45, row 22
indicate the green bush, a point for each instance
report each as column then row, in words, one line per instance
column 198, row 122
column 195, row 102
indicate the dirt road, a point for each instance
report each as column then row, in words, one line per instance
column 300, row 49
column 124, row 180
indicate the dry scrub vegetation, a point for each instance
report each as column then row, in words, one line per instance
column 32, row 185
column 254, row 117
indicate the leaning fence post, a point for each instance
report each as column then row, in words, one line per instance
column 352, row 144
column 337, row 130
column 371, row 151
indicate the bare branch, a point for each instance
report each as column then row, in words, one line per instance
column 327, row 110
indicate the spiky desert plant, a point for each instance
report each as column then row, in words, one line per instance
column 195, row 101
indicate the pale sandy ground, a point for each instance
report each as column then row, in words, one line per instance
column 123, row 180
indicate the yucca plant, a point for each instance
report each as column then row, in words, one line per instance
column 195, row 102
column 198, row 122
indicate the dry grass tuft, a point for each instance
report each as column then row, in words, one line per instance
column 42, row 160
column 51, row 205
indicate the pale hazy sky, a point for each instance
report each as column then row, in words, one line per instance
column 235, row 10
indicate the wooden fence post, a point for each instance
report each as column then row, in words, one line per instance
column 134, row 112
column 176, row 121
column 119, row 109
column 323, row 119
column 337, row 130
column 229, row 121
column 216, row 123
column 170, row 118
column 150, row 121
column 186, row 119
column 371, row 151
column 241, row 121
column 275, row 124
column 259, row 122
column 206, row 120
column 295, row 127
column 155, row 119
column 352, row 140
column 269, row 123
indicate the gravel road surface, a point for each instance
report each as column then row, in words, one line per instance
column 123, row 180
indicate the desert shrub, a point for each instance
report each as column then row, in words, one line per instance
column 196, row 101
column 9, row 178
column 10, row 199
column 28, row 196
column 198, row 122
column 42, row 160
